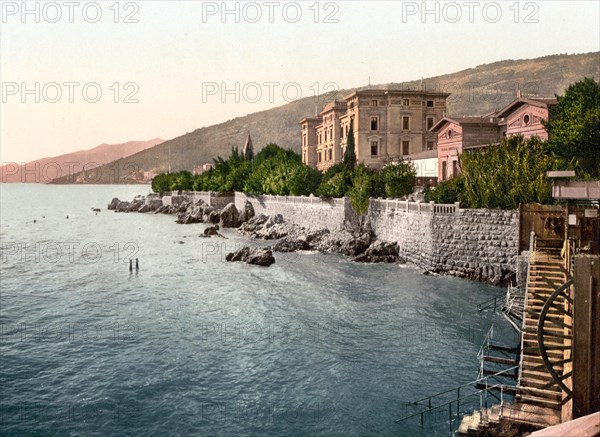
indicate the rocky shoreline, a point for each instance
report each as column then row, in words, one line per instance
column 361, row 245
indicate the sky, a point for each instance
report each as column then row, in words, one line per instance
column 77, row 74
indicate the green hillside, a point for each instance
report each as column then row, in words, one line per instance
column 542, row 77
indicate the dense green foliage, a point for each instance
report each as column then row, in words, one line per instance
column 366, row 183
column 574, row 128
column 272, row 171
column 449, row 191
column 501, row 176
column 399, row 178
column 281, row 172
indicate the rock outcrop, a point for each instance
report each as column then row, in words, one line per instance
column 380, row 252
column 247, row 213
column 230, row 216
column 256, row 256
column 212, row 231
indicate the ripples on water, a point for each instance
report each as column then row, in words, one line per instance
column 192, row 345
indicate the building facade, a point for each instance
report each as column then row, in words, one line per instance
column 523, row 116
column 388, row 125
column 199, row 169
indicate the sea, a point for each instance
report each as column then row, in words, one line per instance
column 127, row 324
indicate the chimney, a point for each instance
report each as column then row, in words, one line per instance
column 518, row 94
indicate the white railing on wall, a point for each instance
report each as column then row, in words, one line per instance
column 395, row 205
column 379, row 204
column 295, row 200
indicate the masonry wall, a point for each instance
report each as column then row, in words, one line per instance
column 309, row 212
column 476, row 244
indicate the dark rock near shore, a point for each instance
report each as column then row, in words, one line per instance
column 260, row 257
column 113, row 203
column 267, row 227
column 122, row 207
column 252, row 225
column 380, row 252
column 291, row 245
column 230, row 216
column 212, row 231
column 357, row 244
column 247, row 213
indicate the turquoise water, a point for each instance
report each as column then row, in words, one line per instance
column 192, row 345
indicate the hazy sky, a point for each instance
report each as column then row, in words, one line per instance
column 107, row 72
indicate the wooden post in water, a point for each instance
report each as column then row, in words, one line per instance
column 457, row 402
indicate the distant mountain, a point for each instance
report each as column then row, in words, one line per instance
column 475, row 91
column 45, row 169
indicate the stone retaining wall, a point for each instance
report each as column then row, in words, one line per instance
column 472, row 243
column 309, row 212
column 477, row 244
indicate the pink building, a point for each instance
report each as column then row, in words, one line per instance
column 524, row 116
column 457, row 134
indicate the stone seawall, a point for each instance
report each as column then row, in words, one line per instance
column 476, row 244
column 310, row 212
column 471, row 243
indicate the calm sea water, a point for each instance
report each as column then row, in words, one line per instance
column 193, row 345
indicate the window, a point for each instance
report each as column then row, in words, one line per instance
column 374, row 148
column 526, row 120
column 331, row 133
column 430, row 103
column 454, row 168
column 319, row 157
column 374, row 122
column 429, row 145
column 405, row 147
column 406, row 102
column 346, row 130
column 330, row 154
column 325, row 135
column 406, row 123
column 444, row 170
column 374, row 102
column 450, row 133
column 429, row 122
column 304, row 140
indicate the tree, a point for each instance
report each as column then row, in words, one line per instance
column 366, row 183
column 501, row 176
column 336, row 181
column 337, row 185
column 182, row 180
column 161, row 183
column 449, row 191
column 399, row 178
column 350, row 153
column 510, row 173
column 249, row 156
column 574, row 127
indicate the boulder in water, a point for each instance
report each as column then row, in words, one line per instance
column 256, row 256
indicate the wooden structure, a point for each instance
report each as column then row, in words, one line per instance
column 586, row 336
